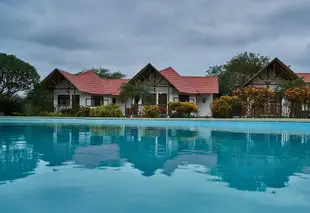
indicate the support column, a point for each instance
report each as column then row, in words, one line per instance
column 157, row 98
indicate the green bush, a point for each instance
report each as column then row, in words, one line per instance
column 151, row 111
column 10, row 104
column 49, row 114
column 110, row 110
column 182, row 109
column 83, row 112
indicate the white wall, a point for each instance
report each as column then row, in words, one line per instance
column 276, row 82
column 204, row 107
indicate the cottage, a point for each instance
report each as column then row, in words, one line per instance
column 88, row 89
column 273, row 76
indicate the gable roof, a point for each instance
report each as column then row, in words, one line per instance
column 287, row 71
column 90, row 82
column 178, row 81
column 306, row 76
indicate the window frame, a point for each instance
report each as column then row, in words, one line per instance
column 61, row 101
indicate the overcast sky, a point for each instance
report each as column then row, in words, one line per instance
column 125, row 35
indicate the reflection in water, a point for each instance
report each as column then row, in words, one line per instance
column 244, row 160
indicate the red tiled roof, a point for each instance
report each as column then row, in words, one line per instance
column 191, row 84
column 306, row 76
column 203, row 84
column 90, row 82
column 177, row 81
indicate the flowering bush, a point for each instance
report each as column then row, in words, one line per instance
column 183, row 108
column 111, row 110
column 254, row 95
column 299, row 94
column 151, row 111
column 222, row 106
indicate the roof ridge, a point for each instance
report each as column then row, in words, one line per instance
column 198, row 76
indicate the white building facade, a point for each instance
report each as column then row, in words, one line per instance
column 89, row 90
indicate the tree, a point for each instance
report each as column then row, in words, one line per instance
column 105, row 73
column 16, row 75
column 136, row 91
column 38, row 100
column 295, row 83
column 234, row 73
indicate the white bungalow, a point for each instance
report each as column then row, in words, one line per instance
column 88, row 89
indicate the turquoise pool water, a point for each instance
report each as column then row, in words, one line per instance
column 80, row 165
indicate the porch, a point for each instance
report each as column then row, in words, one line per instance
column 157, row 99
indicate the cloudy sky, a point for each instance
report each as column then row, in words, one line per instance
column 124, row 35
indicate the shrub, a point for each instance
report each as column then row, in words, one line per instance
column 49, row 114
column 257, row 96
column 253, row 97
column 299, row 94
column 66, row 111
column 10, row 104
column 110, row 110
column 83, row 112
column 151, row 111
column 222, row 106
column 183, row 109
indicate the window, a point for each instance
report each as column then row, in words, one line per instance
column 113, row 100
column 63, row 100
column 150, row 100
column 106, row 102
column 191, row 100
column 94, row 101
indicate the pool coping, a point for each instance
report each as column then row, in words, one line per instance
column 301, row 120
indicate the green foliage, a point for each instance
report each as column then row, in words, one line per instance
column 111, row 110
column 234, row 73
column 105, row 73
column 83, row 112
column 136, row 91
column 295, row 83
column 10, row 104
column 183, row 109
column 151, row 111
column 38, row 100
column 49, row 114
column 16, row 75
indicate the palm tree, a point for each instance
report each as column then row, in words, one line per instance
column 136, row 91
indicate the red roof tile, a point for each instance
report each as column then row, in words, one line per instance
column 306, row 76
column 177, row 81
column 90, row 82
column 203, row 84
column 191, row 84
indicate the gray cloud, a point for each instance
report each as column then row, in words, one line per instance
column 125, row 35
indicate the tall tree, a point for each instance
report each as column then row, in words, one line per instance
column 16, row 75
column 38, row 99
column 237, row 70
column 105, row 73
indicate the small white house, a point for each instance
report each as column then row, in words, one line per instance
column 88, row 89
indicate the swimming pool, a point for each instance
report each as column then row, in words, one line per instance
column 92, row 165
